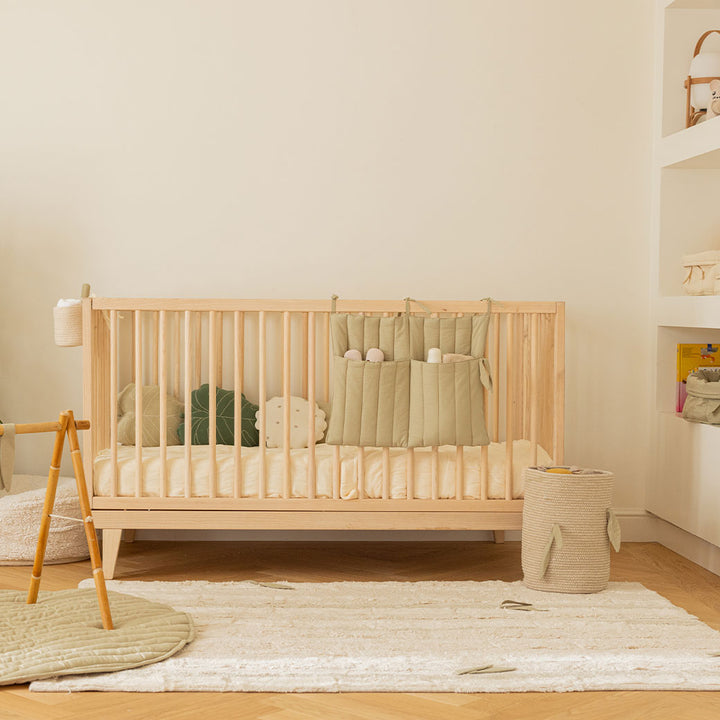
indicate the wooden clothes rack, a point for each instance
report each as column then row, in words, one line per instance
column 66, row 425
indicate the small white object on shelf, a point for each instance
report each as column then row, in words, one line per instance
column 375, row 355
column 353, row 354
column 434, row 355
column 701, row 271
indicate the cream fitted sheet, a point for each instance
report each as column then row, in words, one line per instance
column 274, row 459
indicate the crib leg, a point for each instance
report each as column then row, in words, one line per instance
column 111, row 548
column 128, row 536
column 499, row 536
column 47, row 509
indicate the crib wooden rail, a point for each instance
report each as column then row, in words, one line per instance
column 266, row 348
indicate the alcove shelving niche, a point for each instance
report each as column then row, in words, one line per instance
column 684, row 488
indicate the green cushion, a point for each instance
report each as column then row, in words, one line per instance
column 225, row 418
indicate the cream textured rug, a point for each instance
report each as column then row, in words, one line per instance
column 419, row 637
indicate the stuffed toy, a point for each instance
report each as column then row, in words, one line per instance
column 713, row 109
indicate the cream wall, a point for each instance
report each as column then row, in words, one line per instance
column 437, row 148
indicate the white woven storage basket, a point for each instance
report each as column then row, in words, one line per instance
column 701, row 271
column 20, row 514
column 68, row 325
column 567, row 525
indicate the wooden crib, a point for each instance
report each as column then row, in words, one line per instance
column 282, row 347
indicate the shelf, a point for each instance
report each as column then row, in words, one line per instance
column 692, row 4
column 693, row 311
column 687, row 487
column 696, row 148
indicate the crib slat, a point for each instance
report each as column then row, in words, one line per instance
column 262, row 388
column 361, row 473
column 386, row 472
column 138, row 402
column 188, row 406
column 304, row 336
column 410, row 473
column 132, row 347
column 220, row 349
column 326, row 357
column 336, row 473
column 509, row 408
column 526, row 362
column 239, row 371
column 212, row 404
column 286, row 405
column 198, row 349
column 558, row 413
column 114, row 400
column 495, row 365
column 162, row 377
column 309, row 323
column 434, row 473
column 176, row 354
column 459, row 472
column 533, row 389
column 156, row 341
column 484, row 467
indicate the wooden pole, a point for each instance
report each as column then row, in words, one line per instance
column 67, row 425
column 48, row 505
column 88, row 524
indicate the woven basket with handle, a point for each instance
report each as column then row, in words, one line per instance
column 568, row 527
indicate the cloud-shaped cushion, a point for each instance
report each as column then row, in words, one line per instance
column 299, row 424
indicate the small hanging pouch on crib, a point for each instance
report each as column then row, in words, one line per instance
column 370, row 399
column 446, row 398
column 405, row 401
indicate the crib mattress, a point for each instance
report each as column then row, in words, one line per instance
column 275, row 471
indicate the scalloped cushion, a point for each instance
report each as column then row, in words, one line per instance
column 299, row 422
column 150, row 416
column 62, row 634
column 224, row 418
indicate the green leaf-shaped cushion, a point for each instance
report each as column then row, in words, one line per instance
column 225, row 420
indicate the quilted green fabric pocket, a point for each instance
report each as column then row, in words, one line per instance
column 446, row 403
column 370, row 403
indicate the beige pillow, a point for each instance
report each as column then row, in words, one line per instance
column 299, row 422
column 150, row 416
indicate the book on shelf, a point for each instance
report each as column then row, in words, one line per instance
column 691, row 357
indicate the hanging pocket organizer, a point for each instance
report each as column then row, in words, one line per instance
column 405, row 401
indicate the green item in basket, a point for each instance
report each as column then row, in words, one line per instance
column 224, row 418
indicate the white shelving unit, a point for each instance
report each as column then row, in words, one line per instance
column 685, row 483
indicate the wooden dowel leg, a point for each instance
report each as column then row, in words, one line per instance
column 90, row 533
column 47, row 509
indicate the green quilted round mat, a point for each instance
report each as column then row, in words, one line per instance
column 62, row 634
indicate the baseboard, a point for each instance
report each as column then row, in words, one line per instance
column 689, row 546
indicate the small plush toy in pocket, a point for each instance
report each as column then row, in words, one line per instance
column 713, row 109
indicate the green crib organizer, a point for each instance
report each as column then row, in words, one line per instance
column 405, row 401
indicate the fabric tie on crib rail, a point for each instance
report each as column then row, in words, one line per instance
column 7, row 457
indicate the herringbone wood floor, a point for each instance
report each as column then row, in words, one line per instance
column 657, row 568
